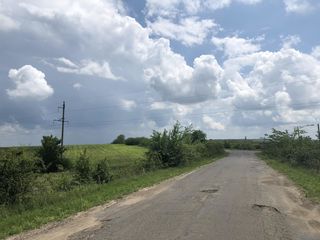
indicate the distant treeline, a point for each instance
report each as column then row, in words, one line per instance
column 241, row 144
column 137, row 141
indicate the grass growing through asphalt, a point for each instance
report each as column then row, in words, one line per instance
column 63, row 204
column 307, row 179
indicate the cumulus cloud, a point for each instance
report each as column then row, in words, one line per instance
column 212, row 124
column 298, row 6
column 189, row 31
column 285, row 82
column 29, row 83
column 235, row 46
column 178, row 82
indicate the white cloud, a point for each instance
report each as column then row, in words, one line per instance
column 128, row 105
column 189, row 31
column 7, row 23
column 212, row 124
column 316, row 52
column 87, row 67
column 29, row 83
column 12, row 128
column 171, row 8
column 285, row 82
column 290, row 41
column 235, row 46
column 298, row 6
column 178, row 82
column 77, row 86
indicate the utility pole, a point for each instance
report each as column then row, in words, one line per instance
column 318, row 131
column 63, row 121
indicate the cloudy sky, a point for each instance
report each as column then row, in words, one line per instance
column 232, row 68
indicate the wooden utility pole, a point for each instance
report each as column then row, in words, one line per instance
column 63, row 121
column 318, row 131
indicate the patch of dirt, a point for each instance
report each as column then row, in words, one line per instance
column 315, row 224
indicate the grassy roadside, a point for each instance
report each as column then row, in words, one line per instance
column 307, row 179
column 64, row 204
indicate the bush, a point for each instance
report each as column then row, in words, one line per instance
column 101, row 172
column 212, row 149
column 193, row 152
column 83, row 168
column 119, row 140
column 166, row 147
column 293, row 148
column 50, row 153
column 16, row 177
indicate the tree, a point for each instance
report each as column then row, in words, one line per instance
column 119, row 140
column 198, row 136
column 51, row 154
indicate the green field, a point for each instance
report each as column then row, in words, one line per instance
column 116, row 154
column 307, row 179
column 52, row 205
column 122, row 159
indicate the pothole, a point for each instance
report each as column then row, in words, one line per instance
column 212, row 190
column 265, row 207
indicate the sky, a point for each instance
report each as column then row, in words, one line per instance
column 232, row 68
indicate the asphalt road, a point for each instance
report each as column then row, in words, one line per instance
column 238, row 197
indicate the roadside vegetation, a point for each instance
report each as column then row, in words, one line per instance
column 297, row 156
column 37, row 185
column 241, row 144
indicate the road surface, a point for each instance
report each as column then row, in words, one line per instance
column 238, row 197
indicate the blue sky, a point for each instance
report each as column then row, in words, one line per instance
column 232, row 68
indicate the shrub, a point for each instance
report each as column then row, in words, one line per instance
column 213, row 149
column 166, row 147
column 193, row 152
column 83, row 168
column 16, row 177
column 293, row 148
column 119, row 140
column 101, row 172
column 50, row 153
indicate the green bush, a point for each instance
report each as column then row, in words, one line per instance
column 166, row 147
column 193, row 152
column 50, row 153
column 101, row 172
column 213, row 149
column 293, row 148
column 16, row 177
column 83, row 168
